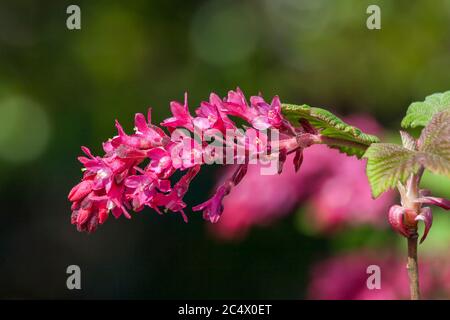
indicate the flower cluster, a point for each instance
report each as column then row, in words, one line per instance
column 136, row 169
column 331, row 187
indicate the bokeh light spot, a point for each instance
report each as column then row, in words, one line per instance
column 24, row 129
column 114, row 46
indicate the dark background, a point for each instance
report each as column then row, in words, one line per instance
column 60, row 89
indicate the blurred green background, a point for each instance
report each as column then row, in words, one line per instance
column 61, row 88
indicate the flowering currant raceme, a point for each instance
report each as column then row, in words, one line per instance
column 137, row 169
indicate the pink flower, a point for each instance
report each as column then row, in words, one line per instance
column 143, row 188
column 268, row 115
column 212, row 209
column 404, row 218
column 440, row 202
column 258, row 200
column 160, row 161
column 395, row 217
column 181, row 116
column 146, row 136
column 398, row 215
column 260, row 114
column 253, row 142
column 344, row 197
column 185, row 153
column 345, row 277
column 81, row 190
column 174, row 199
column 210, row 116
column 136, row 169
column 332, row 187
column 88, row 214
column 103, row 171
column 93, row 209
column 236, row 105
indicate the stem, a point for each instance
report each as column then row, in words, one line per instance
column 413, row 267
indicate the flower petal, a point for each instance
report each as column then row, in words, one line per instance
column 427, row 217
column 298, row 159
column 201, row 123
column 281, row 160
column 80, row 191
column 140, row 123
column 396, row 214
column 440, row 202
column 261, row 123
column 239, row 173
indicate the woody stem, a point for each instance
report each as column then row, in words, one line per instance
column 413, row 263
column 413, row 267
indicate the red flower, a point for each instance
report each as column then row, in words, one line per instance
column 119, row 181
column 181, row 116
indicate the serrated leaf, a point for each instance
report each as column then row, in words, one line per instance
column 408, row 141
column 387, row 164
column 420, row 113
column 434, row 141
column 331, row 126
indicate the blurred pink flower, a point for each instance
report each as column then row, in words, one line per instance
column 345, row 278
column 344, row 197
column 333, row 186
column 258, row 200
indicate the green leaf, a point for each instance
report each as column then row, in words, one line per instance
column 331, row 126
column 408, row 141
column 434, row 142
column 387, row 164
column 420, row 113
